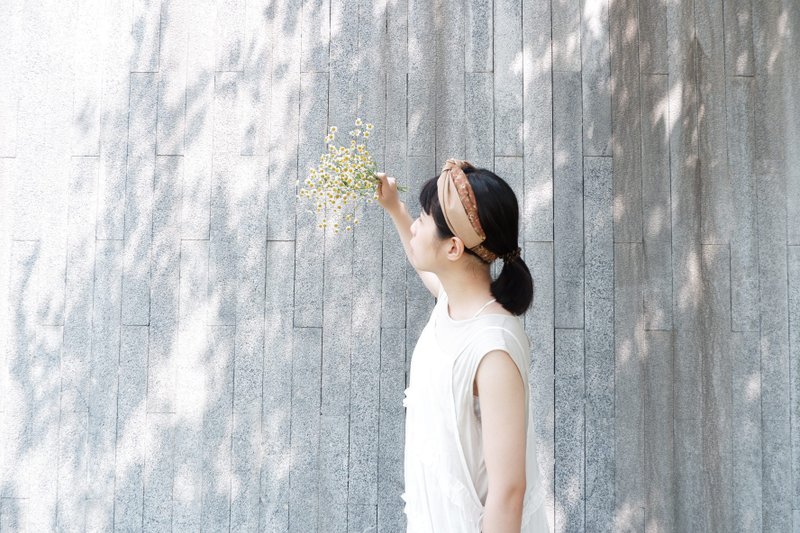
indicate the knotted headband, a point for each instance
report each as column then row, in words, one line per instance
column 460, row 208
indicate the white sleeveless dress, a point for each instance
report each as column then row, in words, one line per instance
column 444, row 469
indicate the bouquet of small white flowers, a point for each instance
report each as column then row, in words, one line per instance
column 344, row 174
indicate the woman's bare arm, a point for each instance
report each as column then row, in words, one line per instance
column 502, row 398
column 388, row 198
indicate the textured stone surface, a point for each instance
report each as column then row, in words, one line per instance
column 181, row 346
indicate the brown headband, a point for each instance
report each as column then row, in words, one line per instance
column 460, row 208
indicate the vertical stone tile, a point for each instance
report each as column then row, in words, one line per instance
column 80, row 279
column 793, row 266
column 131, row 429
column 744, row 238
column 716, row 382
column 448, row 78
column 479, row 37
column 361, row 518
column 73, row 461
column 629, row 347
column 738, row 26
column 309, row 236
column 747, row 446
column 568, row 201
column 229, row 34
column 596, row 78
column 278, row 348
column 391, row 423
column 39, row 454
column 164, row 284
column 599, row 255
column 566, row 31
column 222, row 246
column 539, row 327
column 218, row 429
column 770, row 56
column 145, row 33
column 199, row 138
column 246, row 469
column 118, row 46
column 570, row 421
column 316, row 22
column 657, row 230
column 689, row 496
column 421, row 72
column 716, row 193
column 333, row 470
column 173, row 57
column 87, row 43
column 158, row 477
column 256, row 78
column 284, row 122
column 777, row 474
column 10, row 65
column 479, row 121
column 8, row 168
column 508, row 80
column 538, row 121
column 139, row 200
column 275, row 491
column 653, row 49
column 626, row 117
column 659, row 475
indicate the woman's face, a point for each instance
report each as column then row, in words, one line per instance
column 424, row 242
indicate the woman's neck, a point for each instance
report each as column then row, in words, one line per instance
column 467, row 290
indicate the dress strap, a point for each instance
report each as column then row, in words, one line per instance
column 484, row 307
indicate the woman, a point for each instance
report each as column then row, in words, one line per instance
column 470, row 453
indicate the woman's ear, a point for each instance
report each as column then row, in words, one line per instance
column 455, row 248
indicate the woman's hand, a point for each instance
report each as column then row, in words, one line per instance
column 386, row 193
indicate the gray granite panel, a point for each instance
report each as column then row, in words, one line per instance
column 568, row 201
column 421, row 85
column 80, row 278
column 90, row 23
column 629, row 386
column 114, row 117
column 599, row 256
column 687, row 387
column 390, row 482
column 746, row 416
column 362, row 518
column 246, row 465
column 316, row 28
column 570, row 422
column 304, row 501
column 229, row 34
column 653, row 52
column 333, row 470
column 172, row 94
column 599, row 474
column 256, row 78
column 777, row 474
column 739, row 37
column 284, row 122
column 10, row 66
column 793, row 266
column 158, row 477
column 716, row 192
column 626, row 116
column 131, row 418
column 566, row 32
column 198, row 142
column 139, row 200
column 508, row 81
column 689, row 495
column 657, row 230
column 145, row 34
column 218, row 429
column 222, row 246
column 479, row 36
column 275, row 473
column 771, row 57
column 718, row 431
column 744, row 237
column 539, row 328
column 310, row 237
column 537, row 111
column 479, row 118
column 596, row 78
column 73, row 431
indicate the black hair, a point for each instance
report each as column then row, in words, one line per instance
column 498, row 212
